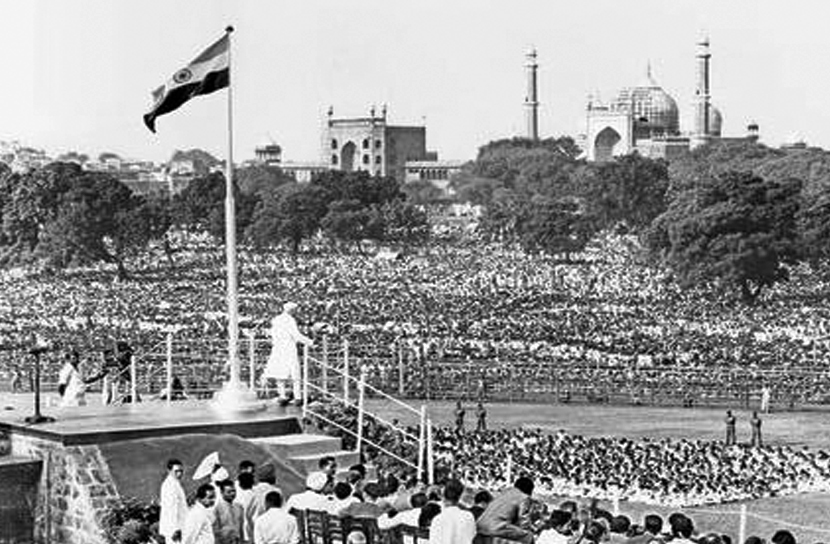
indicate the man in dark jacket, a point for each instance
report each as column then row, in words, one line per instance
column 501, row 517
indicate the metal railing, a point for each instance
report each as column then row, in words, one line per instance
column 316, row 377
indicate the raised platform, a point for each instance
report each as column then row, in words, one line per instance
column 98, row 424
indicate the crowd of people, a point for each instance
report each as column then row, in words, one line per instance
column 252, row 508
column 497, row 322
column 667, row 471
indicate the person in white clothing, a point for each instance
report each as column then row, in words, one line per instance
column 283, row 363
column 453, row 525
column 71, row 383
column 198, row 524
column 312, row 498
column 173, row 503
column 275, row 525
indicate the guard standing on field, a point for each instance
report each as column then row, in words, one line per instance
column 755, row 424
column 459, row 417
column 730, row 429
column 481, row 417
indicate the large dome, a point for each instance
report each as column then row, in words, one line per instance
column 655, row 111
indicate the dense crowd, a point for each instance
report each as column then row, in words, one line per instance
column 253, row 508
column 666, row 471
column 466, row 320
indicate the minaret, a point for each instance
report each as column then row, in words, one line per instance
column 532, row 98
column 702, row 97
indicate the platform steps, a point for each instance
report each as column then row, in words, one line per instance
column 304, row 451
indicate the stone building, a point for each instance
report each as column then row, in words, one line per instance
column 646, row 119
column 372, row 144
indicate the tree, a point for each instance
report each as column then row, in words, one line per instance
column 555, row 227
column 352, row 222
column 359, row 186
column 98, row 219
column 423, row 192
column 31, row 200
column 629, row 189
column 814, row 226
column 291, row 212
column 735, row 230
column 201, row 205
column 255, row 179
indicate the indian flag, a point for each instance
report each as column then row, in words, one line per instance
column 208, row 72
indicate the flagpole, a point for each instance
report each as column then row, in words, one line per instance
column 234, row 396
column 230, row 239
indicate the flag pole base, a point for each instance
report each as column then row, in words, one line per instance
column 236, row 398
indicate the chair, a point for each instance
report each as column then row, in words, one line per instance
column 414, row 535
column 301, row 524
column 336, row 534
column 367, row 526
column 317, row 530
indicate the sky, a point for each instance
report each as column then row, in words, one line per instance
column 79, row 73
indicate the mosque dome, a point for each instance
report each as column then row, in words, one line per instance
column 654, row 109
column 715, row 121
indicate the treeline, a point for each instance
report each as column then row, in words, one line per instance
column 732, row 215
column 61, row 215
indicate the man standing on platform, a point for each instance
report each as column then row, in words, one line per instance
column 173, row 503
column 730, row 429
column 755, row 423
column 198, row 525
column 284, row 364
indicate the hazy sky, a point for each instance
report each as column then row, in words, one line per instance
column 79, row 73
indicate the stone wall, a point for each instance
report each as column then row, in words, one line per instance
column 75, row 489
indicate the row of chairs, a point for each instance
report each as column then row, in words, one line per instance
column 320, row 527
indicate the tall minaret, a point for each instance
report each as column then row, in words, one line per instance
column 702, row 97
column 532, row 98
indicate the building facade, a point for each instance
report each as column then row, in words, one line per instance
column 646, row 119
column 371, row 144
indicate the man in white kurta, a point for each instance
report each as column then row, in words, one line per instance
column 276, row 525
column 198, row 524
column 173, row 503
column 284, row 364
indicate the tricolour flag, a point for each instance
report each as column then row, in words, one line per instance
column 208, row 72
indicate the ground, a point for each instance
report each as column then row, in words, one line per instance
column 805, row 515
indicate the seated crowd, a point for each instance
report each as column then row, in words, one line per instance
column 611, row 322
column 668, row 472
column 253, row 509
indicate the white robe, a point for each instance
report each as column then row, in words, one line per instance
column 173, row 507
column 284, row 364
column 75, row 388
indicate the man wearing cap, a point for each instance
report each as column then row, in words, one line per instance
column 284, row 364
column 312, row 498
